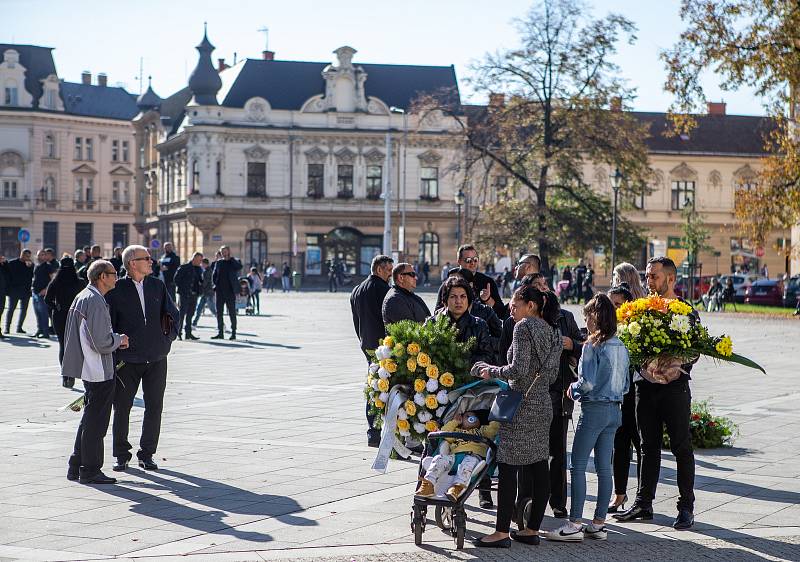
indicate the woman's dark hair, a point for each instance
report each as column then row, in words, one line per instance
column 546, row 302
column 605, row 315
column 462, row 272
column 621, row 289
column 452, row 283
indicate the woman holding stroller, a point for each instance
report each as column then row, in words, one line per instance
column 524, row 443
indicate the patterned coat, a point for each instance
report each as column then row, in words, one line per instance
column 536, row 349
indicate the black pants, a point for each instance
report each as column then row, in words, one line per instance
column 225, row 300
column 558, row 457
column 87, row 453
column 2, row 305
column 153, row 377
column 23, row 310
column 627, row 435
column 188, row 304
column 531, row 481
column 670, row 405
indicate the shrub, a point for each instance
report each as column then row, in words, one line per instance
column 708, row 431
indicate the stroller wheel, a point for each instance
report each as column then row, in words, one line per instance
column 444, row 517
column 522, row 512
column 418, row 524
column 459, row 527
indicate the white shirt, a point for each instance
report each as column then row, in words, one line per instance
column 140, row 289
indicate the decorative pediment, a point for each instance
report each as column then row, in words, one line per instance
column 256, row 152
column 121, row 171
column 84, row 169
column 12, row 160
column 374, row 156
column 683, row 172
column 715, row 179
column 257, row 109
column 745, row 173
column 345, row 156
column 316, row 155
column 430, row 158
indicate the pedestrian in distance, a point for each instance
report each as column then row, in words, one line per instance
column 286, row 277
column 60, row 293
column 256, row 284
column 206, row 292
column 42, row 274
column 4, row 283
column 189, row 285
column 169, row 264
column 20, row 277
column 226, row 286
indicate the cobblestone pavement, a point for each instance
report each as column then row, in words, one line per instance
column 263, row 456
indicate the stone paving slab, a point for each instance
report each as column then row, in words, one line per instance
column 262, row 456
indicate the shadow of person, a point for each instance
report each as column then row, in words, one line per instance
column 249, row 344
column 28, row 342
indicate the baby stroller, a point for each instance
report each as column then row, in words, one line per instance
column 450, row 515
column 243, row 297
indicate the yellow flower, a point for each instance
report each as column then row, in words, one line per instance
column 725, row 346
column 383, row 385
column 679, row 307
column 398, row 350
column 432, row 426
column 411, row 408
column 411, row 364
column 423, row 360
column 447, row 379
column 391, row 366
column 431, row 402
column 388, row 341
column 432, row 371
column 419, row 385
column 413, row 348
column 379, row 404
column 403, row 425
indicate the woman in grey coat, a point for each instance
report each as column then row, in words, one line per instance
column 533, row 362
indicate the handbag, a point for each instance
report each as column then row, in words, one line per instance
column 167, row 323
column 506, row 403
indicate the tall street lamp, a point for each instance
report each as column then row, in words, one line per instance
column 459, row 200
column 616, row 181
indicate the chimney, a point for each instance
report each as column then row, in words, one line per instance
column 616, row 104
column 86, row 78
column 716, row 107
column 268, row 55
column 497, row 100
column 102, row 79
column 221, row 65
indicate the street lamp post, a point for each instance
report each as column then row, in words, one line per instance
column 616, row 180
column 459, row 200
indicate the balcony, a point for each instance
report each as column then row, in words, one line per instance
column 119, row 207
column 12, row 203
column 84, row 205
column 374, row 194
column 345, row 194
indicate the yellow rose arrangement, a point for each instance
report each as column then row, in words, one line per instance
column 379, row 404
column 411, row 364
column 398, row 350
column 413, row 348
column 389, row 364
column 432, row 371
column 383, row 385
column 447, row 380
column 431, row 426
column 403, row 425
column 430, row 402
column 419, row 385
column 411, row 408
column 388, row 341
column 423, row 360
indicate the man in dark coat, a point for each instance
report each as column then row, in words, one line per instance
column 141, row 308
column 42, row 274
column 189, row 284
column 116, row 261
column 169, row 266
column 366, row 302
column 226, row 285
column 20, row 277
column 400, row 302
column 485, row 287
column 4, row 281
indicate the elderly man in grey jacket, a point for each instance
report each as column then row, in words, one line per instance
column 89, row 344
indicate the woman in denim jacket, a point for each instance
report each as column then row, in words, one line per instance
column 602, row 383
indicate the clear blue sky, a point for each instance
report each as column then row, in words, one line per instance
column 112, row 36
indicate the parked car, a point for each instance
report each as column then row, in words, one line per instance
column 701, row 286
column 767, row 292
column 791, row 291
column 740, row 282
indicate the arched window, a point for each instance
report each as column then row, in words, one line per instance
column 429, row 248
column 49, row 188
column 255, row 248
column 49, row 146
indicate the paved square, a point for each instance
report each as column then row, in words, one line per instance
column 263, row 456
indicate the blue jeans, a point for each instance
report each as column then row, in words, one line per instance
column 205, row 300
column 42, row 312
column 596, row 429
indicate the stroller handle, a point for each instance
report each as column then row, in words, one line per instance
column 463, row 437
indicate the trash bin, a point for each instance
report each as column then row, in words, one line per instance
column 296, row 279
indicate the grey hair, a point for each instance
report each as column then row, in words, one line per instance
column 627, row 273
column 128, row 254
column 96, row 269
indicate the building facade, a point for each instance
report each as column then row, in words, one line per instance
column 66, row 156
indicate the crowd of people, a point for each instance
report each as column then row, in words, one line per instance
column 537, row 348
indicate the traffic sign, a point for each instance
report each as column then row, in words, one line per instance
column 23, row 235
column 155, row 244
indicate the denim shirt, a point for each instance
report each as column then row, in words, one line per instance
column 602, row 372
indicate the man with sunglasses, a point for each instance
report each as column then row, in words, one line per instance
column 400, row 302
column 484, row 285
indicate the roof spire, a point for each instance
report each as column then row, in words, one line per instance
column 205, row 81
column 149, row 99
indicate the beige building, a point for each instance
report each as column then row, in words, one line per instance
column 66, row 156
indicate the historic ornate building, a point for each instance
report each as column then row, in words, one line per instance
column 287, row 161
column 66, row 156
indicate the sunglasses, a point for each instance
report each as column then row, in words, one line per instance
column 141, row 259
column 470, row 260
column 410, row 273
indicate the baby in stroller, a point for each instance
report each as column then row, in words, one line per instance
column 473, row 453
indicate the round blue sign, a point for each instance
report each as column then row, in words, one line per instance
column 154, row 243
column 23, row 235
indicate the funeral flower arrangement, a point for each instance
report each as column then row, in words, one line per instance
column 654, row 328
column 428, row 362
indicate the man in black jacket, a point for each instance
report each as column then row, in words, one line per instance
column 189, row 284
column 20, row 276
column 169, row 266
column 226, row 285
column 141, row 308
column 116, row 261
column 485, row 286
column 3, row 287
column 400, row 302
column 366, row 302
column 42, row 274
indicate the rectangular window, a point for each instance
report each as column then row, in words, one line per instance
column 78, row 148
column 50, row 99
column 638, row 199
column 78, row 189
column 9, row 189
column 126, row 192
column 344, row 181
column 89, row 190
column 256, row 179
column 316, row 180
column 125, row 151
column 374, row 182
column 89, row 149
column 11, row 96
column 120, row 234
column 115, row 191
column 682, row 195
column 83, row 234
column 429, row 188
column 50, row 235
column 114, row 151
column 219, row 178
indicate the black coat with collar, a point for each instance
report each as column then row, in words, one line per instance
column 147, row 343
column 366, row 302
column 470, row 326
column 400, row 304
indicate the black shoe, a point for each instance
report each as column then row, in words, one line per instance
column 67, row 382
column 180, row 337
column 2, row 337
column 233, row 336
column 485, row 499
column 20, row 331
column 120, row 465
column 635, row 512
column 502, row 543
column 219, row 336
column 148, row 464
column 685, row 519
column 618, row 508
column 191, row 337
column 98, row 478
column 559, row 513
column 73, row 474
column 527, row 539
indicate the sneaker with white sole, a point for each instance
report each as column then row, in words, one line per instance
column 595, row 533
column 568, row 532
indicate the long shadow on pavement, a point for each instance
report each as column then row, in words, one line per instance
column 250, row 344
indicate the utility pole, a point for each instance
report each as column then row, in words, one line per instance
column 387, row 199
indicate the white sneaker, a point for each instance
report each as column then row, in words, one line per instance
column 595, row 533
column 568, row 532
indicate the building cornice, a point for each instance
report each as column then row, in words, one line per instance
column 28, row 115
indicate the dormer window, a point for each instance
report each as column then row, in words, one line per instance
column 11, row 93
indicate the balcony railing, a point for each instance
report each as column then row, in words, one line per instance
column 12, row 203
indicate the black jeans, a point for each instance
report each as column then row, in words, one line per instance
column 558, row 456
column 531, row 481
column 225, row 300
column 23, row 310
column 87, row 453
column 670, row 405
column 153, row 377
column 627, row 435
column 188, row 304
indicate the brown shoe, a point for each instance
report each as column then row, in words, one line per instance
column 425, row 489
column 455, row 491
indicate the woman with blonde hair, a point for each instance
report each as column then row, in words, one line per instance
column 628, row 274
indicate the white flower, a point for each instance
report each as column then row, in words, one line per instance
column 383, row 352
column 656, row 322
column 441, row 397
column 634, row 328
column 374, row 384
column 431, row 385
column 384, row 397
column 406, row 433
column 424, row 416
column 440, row 411
column 680, row 323
column 383, row 373
column 373, row 368
column 419, row 427
column 419, row 399
column 402, row 414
